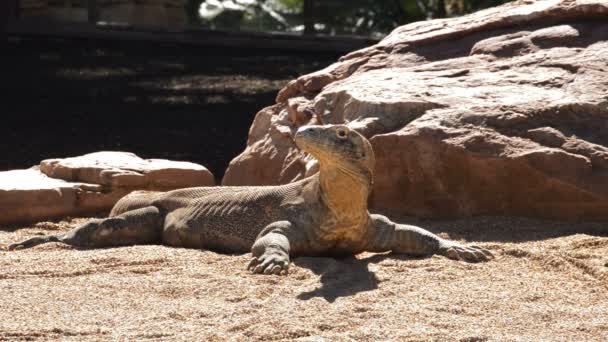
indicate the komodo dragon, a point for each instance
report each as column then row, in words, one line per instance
column 325, row 214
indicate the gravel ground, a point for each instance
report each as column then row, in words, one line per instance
column 548, row 282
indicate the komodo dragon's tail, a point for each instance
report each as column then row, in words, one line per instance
column 35, row 241
column 136, row 227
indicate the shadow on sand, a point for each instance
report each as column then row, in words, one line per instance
column 343, row 277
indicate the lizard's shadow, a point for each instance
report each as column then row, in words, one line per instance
column 342, row 277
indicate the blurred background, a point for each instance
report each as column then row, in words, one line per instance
column 373, row 18
column 174, row 79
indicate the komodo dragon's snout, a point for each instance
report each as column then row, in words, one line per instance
column 325, row 213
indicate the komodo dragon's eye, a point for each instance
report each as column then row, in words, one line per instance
column 342, row 132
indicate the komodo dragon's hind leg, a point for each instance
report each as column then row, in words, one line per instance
column 135, row 227
column 386, row 235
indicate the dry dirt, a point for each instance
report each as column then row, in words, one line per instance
column 548, row 282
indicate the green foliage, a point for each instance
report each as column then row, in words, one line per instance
column 333, row 17
column 295, row 6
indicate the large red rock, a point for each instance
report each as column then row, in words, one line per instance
column 89, row 184
column 501, row 112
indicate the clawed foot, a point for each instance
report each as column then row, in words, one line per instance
column 270, row 263
column 37, row 240
column 466, row 253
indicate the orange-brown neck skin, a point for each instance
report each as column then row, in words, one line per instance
column 345, row 194
column 344, row 183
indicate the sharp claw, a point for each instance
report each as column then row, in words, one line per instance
column 258, row 269
column 453, row 254
column 252, row 263
column 480, row 256
column 469, row 256
column 268, row 269
column 487, row 254
column 276, row 269
column 472, row 253
column 265, row 263
column 269, row 263
column 255, row 268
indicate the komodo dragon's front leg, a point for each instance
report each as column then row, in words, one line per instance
column 385, row 235
column 273, row 246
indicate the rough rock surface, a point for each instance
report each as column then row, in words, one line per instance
column 502, row 112
column 124, row 169
column 88, row 184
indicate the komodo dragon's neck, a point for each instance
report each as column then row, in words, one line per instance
column 344, row 192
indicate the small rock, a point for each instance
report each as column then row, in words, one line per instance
column 124, row 169
column 30, row 195
column 88, row 184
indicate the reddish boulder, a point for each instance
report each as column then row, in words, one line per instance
column 501, row 112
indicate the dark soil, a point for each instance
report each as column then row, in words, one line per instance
column 64, row 98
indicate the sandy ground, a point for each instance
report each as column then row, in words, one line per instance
column 548, row 282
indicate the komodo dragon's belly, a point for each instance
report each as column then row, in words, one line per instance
column 230, row 221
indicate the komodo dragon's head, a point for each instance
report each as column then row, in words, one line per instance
column 340, row 147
